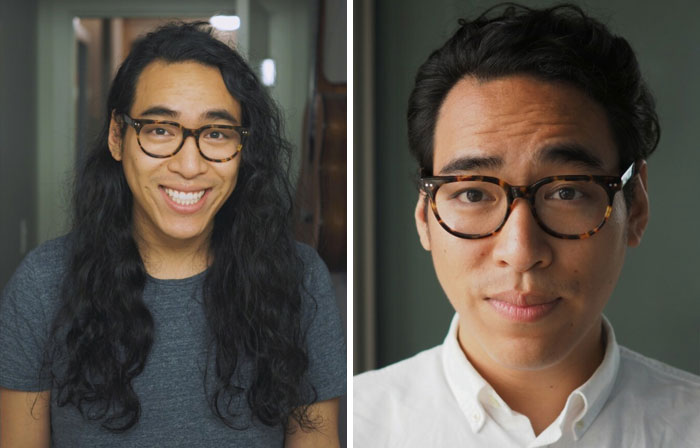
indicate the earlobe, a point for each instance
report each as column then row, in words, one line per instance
column 114, row 139
column 421, row 216
column 638, row 215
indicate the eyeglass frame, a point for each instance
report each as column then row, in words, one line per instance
column 137, row 124
column 612, row 185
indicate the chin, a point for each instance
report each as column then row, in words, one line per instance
column 184, row 232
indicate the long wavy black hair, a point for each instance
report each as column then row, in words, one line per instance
column 103, row 332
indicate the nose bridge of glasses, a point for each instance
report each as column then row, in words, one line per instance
column 521, row 192
column 526, row 193
column 194, row 133
column 186, row 132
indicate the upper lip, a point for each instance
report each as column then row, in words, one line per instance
column 185, row 189
column 523, row 298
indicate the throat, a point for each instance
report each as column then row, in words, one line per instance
column 174, row 259
column 174, row 267
column 166, row 256
column 541, row 393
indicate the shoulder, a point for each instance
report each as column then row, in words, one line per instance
column 639, row 370
column 319, row 307
column 33, row 290
column 317, row 289
column 50, row 254
column 413, row 380
column 27, row 306
column 674, row 393
column 311, row 261
column 43, row 267
column 412, row 393
column 323, row 327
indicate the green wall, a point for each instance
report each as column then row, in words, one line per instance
column 655, row 308
column 18, row 124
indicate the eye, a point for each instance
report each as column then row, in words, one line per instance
column 218, row 134
column 472, row 195
column 159, row 131
column 565, row 193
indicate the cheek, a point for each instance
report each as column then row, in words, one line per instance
column 228, row 176
column 459, row 263
column 131, row 172
column 594, row 265
column 138, row 171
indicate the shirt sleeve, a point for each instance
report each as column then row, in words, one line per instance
column 23, row 330
column 324, row 337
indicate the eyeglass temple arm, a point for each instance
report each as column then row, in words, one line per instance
column 627, row 175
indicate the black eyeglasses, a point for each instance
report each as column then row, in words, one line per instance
column 163, row 139
column 569, row 207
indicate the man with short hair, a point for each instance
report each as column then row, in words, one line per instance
column 531, row 129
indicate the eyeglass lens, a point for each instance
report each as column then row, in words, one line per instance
column 163, row 139
column 479, row 208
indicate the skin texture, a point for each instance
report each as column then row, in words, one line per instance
column 532, row 365
column 173, row 244
column 325, row 436
column 24, row 419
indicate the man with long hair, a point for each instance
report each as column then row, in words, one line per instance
column 179, row 311
column 531, row 129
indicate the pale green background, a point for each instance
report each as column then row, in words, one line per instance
column 656, row 306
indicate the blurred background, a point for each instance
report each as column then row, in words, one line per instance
column 57, row 60
column 399, row 307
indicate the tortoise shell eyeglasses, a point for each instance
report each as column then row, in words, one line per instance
column 567, row 206
column 162, row 139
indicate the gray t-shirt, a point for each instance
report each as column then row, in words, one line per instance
column 175, row 410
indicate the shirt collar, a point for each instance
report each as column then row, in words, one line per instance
column 464, row 381
column 582, row 407
column 596, row 391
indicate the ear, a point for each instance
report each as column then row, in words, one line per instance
column 422, row 220
column 638, row 213
column 114, row 139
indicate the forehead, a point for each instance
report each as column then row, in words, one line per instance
column 519, row 120
column 188, row 88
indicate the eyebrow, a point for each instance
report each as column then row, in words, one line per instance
column 471, row 164
column 570, row 153
column 213, row 114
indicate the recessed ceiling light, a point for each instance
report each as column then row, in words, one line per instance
column 225, row 23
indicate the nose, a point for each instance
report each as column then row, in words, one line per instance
column 188, row 162
column 521, row 244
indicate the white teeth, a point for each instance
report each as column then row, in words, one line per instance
column 182, row 198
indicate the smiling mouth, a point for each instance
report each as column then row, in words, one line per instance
column 184, row 198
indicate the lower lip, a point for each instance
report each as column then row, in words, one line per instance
column 185, row 209
column 530, row 313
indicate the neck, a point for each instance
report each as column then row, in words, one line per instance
column 541, row 394
column 170, row 258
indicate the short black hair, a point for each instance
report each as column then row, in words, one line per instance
column 558, row 44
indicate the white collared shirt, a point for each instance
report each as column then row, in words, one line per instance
column 437, row 399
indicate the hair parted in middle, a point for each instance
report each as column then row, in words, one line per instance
column 557, row 44
column 103, row 331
